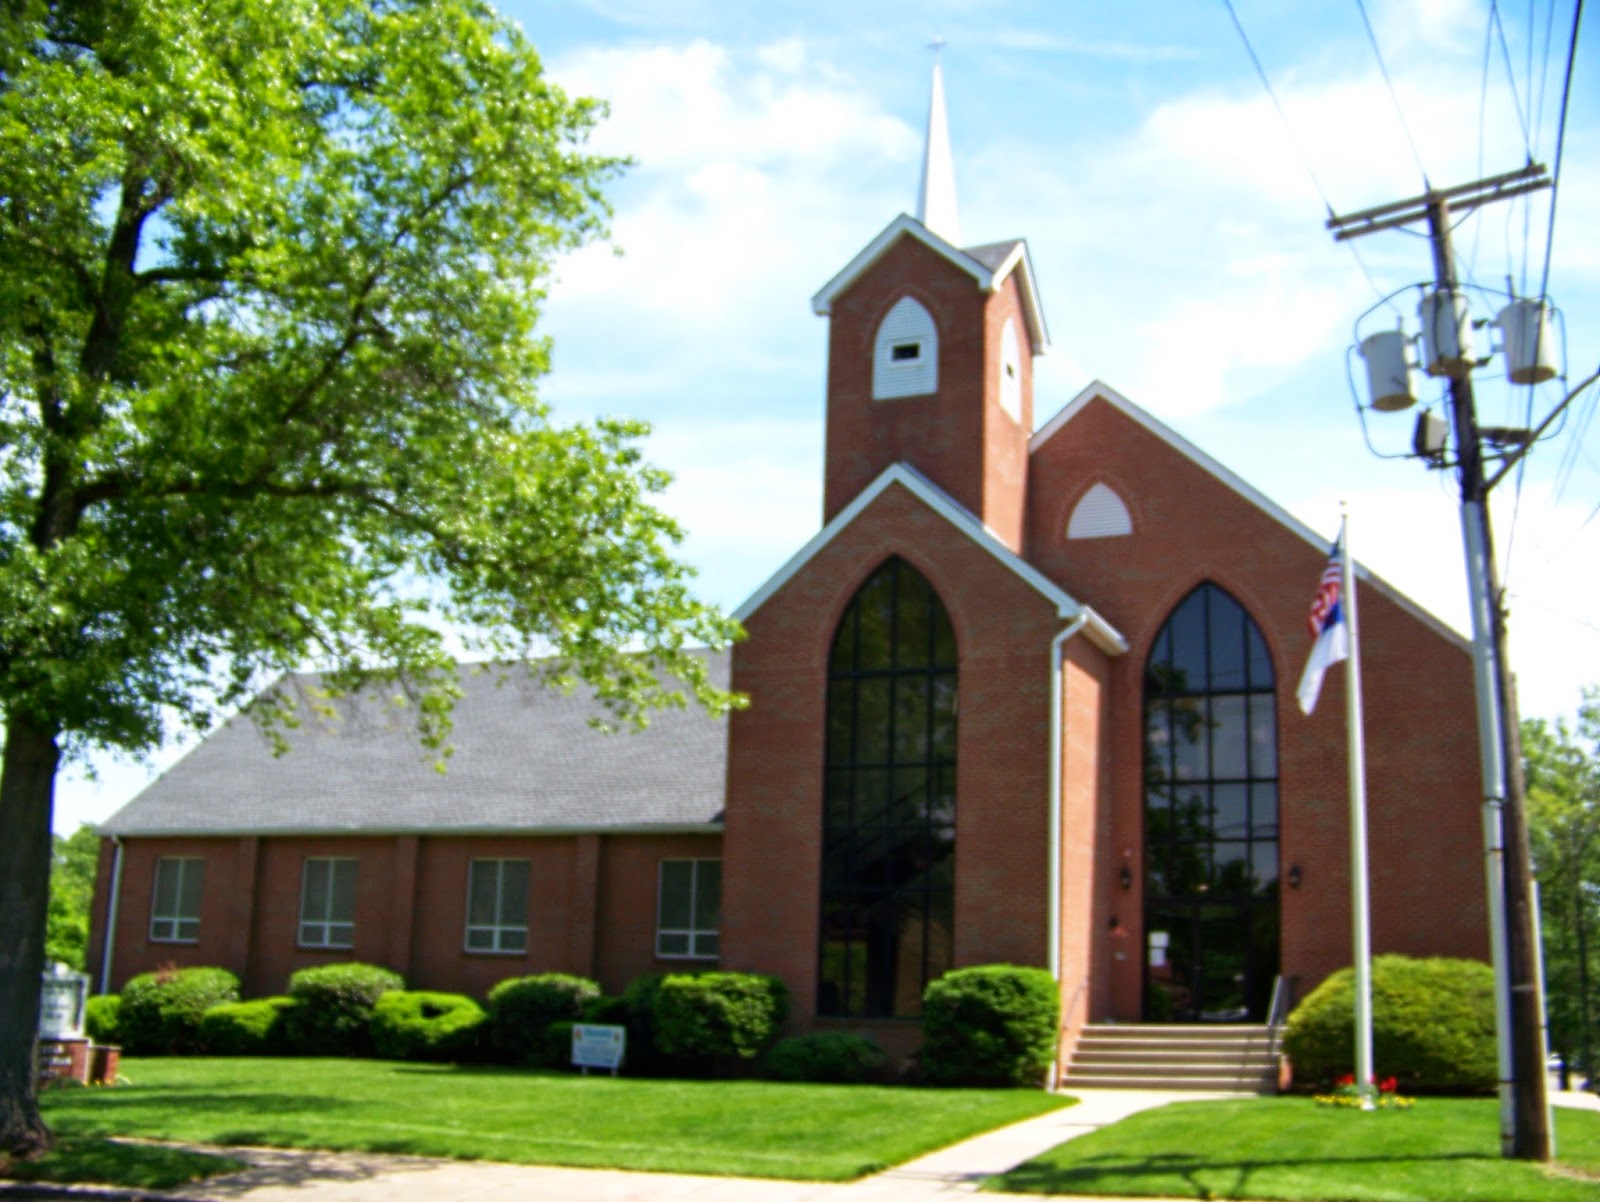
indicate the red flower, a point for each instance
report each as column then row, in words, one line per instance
column 1387, row 1085
column 1347, row 1079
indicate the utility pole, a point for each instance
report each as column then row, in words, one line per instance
column 1519, row 1005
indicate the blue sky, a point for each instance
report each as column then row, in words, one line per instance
column 1176, row 233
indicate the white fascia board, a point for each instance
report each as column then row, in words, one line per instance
column 1101, row 632
column 822, row 302
column 987, row 281
column 1238, row 484
column 1038, row 332
column 386, row 832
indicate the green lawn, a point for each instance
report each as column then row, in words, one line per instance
column 132, row 1166
column 744, row 1128
column 1290, row 1149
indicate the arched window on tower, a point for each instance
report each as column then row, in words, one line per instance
column 1210, row 816
column 888, row 830
column 905, row 354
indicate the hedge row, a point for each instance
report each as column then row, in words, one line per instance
column 993, row 1025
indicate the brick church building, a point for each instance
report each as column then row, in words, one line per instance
column 1027, row 696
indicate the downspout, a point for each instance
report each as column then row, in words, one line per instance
column 1056, row 731
column 111, row 914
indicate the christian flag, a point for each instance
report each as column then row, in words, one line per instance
column 1328, row 628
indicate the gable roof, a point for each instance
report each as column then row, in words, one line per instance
column 1099, row 631
column 525, row 760
column 1099, row 389
column 988, row 265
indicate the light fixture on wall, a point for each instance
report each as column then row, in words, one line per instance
column 1294, row 876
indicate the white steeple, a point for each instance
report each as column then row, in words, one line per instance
column 936, row 199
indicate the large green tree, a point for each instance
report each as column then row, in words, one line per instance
column 72, row 867
column 1563, row 772
column 269, row 274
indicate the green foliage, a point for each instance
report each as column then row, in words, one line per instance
column 612, row 1011
column 255, row 1028
column 832, row 1056
column 72, row 868
column 270, row 280
column 994, row 1024
column 161, row 1011
column 522, row 1010
column 1432, row 1025
column 335, row 1006
column 1562, row 765
column 719, row 1014
column 418, row 1025
column 102, row 1018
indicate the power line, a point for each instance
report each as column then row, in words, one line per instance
column 1294, row 141
column 1393, row 95
column 1511, row 75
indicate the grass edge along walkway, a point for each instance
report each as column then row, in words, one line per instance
column 132, row 1166
column 1292, row 1150
column 718, row 1128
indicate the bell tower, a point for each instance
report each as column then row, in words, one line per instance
column 930, row 354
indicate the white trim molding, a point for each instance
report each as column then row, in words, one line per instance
column 987, row 280
column 1099, row 631
column 1097, row 389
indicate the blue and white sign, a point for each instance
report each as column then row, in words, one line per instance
column 598, row 1045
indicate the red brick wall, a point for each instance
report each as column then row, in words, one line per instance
column 1088, row 866
column 625, row 919
column 959, row 437
column 591, row 910
column 1422, row 776
column 1003, row 630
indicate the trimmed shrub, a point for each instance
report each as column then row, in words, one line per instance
column 610, row 1010
column 716, row 1015
column 1432, row 1026
column 101, row 1018
column 644, row 1058
column 420, row 1025
column 994, row 1024
column 830, row 1056
column 161, row 1011
column 521, row 1010
column 253, row 1028
column 335, row 1006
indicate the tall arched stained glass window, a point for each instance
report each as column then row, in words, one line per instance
column 1211, row 815
column 888, row 837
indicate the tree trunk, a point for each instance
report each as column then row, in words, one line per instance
column 27, row 796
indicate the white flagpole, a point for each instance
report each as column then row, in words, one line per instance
column 1361, row 934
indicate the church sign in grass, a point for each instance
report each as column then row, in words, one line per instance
column 733, row 1128
column 1292, row 1150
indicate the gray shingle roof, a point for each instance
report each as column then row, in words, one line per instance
column 992, row 254
column 525, row 760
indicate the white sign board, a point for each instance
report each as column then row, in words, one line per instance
column 598, row 1045
column 62, row 995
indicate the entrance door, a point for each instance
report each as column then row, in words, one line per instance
column 1210, row 961
column 1210, row 816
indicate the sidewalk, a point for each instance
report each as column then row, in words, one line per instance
column 284, row 1176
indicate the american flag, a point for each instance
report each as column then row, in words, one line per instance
column 1325, row 605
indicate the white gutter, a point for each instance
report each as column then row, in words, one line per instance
column 111, row 914
column 1056, row 731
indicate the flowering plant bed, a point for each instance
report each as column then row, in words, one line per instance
column 1375, row 1095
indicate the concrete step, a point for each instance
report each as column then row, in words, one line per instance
column 1233, row 1056
column 1220, row 1082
